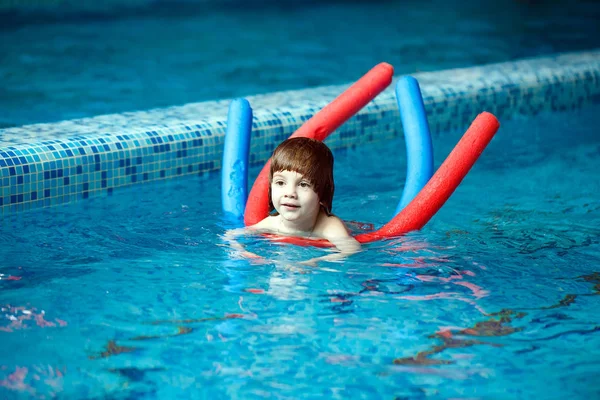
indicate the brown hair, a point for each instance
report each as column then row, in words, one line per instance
column 311, row 158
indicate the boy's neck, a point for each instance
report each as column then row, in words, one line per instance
column 291, row 227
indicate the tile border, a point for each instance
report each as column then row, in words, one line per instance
column 45, row 165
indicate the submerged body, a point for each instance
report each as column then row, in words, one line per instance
column 300, row 199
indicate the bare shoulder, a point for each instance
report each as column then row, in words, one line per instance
column 333, row 229
column 268, row 224
column 330, row 226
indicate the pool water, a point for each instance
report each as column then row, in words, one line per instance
column 137, row 296
column 176, row 54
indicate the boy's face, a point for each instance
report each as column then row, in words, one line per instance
column 294, row 197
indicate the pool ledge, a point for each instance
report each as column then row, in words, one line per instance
column 44, row 165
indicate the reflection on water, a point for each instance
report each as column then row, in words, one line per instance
column 491, row 327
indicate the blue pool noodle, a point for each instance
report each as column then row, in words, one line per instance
column 234, row 174
column 419, row 149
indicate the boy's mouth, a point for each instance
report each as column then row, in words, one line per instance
column 290, row 205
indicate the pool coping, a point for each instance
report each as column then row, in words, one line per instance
column 44, row 165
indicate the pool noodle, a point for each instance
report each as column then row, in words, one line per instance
column 319, row 127
column 419, row 149
column 234, row 173
column 435, row 193
column 443, row 183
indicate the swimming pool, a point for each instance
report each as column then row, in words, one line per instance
column 129, row 292
column 135, row 296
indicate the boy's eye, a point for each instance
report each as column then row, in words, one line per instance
column 279, row 183
column 304, row 184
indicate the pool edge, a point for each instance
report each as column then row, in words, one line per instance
column 95, row 156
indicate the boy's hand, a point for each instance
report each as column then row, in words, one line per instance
column 309, row 263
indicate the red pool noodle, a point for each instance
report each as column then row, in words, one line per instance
column 443, row 183
column 319, row 127
column 435, row 193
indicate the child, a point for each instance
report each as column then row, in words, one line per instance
column 300, row 198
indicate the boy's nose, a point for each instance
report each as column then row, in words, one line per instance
column 290, row 191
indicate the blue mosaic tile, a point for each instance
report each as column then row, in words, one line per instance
column 49, row 164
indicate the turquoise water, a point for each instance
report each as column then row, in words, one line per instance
column 136, row 295
column 171, row 55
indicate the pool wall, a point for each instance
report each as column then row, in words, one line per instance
column 45, row 165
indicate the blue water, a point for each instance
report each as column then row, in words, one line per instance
column 137, row 296
column 170, row 55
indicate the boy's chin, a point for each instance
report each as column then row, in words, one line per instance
column 291, row 217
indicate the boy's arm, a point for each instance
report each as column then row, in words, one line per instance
column 231, row 236
column 335, row 232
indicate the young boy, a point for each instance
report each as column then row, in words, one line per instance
column 300, row 198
